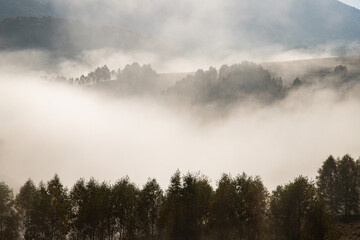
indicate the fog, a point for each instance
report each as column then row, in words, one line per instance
column 182, row 36
column 186, row 31
column 49, row 128
column 221, row 27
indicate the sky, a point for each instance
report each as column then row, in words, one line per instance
column 354, row 3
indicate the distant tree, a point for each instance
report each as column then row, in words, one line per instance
column 326, row 182
column 231, row 84
column 211, row 75
column 341, row 70
column 137, row 74
column 296, row 83
column 138, row 79
column 9, row 219
column 100, row 74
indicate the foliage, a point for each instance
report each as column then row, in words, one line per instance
column 297, row 211
column 186, row 209
column 339, row 185
column 9, row 219
column 238, row 208
column 150, row 201
column 45, row 211
column 326, row 182
column 231, row 84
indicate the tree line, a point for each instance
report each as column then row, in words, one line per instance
column 131, row 74
column 228, row 85
column 211, row 88
column 214, row 89
column 190, row 208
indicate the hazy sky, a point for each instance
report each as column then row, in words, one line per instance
column 354, row 3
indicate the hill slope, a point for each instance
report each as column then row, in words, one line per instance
column 68, row 37
column 296, row 22
column 13, row 8
column 233, row 24
column 317, row 67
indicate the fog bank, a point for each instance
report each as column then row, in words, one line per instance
column 49, row 128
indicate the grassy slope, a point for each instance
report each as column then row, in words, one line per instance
column 289, row 70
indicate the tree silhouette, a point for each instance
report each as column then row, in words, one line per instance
column 239, row 208
column 9, row 219
column 347, row 189
column 125, row 196
column 326, row 182
column 150, row 200
column 251, row 206
column 223, row 215
column 298, row 212
column 171, row 210
column 25, row 206
column 60, row 207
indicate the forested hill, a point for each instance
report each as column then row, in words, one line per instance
column 68, row 37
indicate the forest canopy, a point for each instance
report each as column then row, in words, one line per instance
column 238, row 207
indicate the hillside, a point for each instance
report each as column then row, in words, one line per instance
column 69, row 37
column 296, row 23
column 13, row 8
column 223, row 89
column 318, row 67
column 244, row 25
